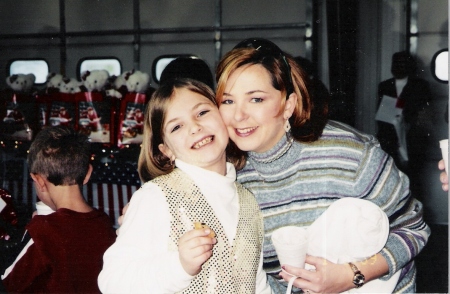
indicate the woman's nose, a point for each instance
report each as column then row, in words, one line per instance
column 240, row 113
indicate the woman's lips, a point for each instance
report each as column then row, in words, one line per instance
column 245, row 132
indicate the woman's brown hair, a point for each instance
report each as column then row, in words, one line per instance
column 286, row 77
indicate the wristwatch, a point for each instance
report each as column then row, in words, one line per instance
column 358, row 278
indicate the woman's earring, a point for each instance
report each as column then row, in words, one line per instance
column 287, row 126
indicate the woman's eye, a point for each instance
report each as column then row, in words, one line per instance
column 257, row 100
column 227, row 101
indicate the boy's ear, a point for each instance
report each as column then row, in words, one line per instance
column 40, row 182
column 166, row 151
column 88, row 174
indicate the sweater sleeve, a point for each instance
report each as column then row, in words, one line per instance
column 26, row 272
column 389, row 189
column 139, row 261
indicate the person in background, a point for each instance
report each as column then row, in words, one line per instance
column 66, row 247
column 187, row 180
column 297, row 164
column 319, row 94
column 186, row 67
column 443, row 177
column 413, row 96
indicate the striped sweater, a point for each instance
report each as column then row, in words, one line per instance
column 295, row 182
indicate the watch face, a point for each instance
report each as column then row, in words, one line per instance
column 358, row 280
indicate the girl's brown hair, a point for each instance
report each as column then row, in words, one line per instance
column 152, row 162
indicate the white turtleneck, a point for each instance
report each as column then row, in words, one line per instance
column 140, row 262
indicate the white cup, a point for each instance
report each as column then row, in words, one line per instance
column 2, row 204
column 291, row 244
column 43, row 209
column 444, row 148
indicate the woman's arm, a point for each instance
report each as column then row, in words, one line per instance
column 379, row 181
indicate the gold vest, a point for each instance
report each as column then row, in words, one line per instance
column 230, row 269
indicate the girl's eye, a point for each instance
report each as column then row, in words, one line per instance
column 257, row 100
column 202, row 113
column 175, row 128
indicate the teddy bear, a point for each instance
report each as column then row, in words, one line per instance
column 53, row 82
column 137, row 81
column 117, row 85
column 95, row 80
column 22, row 83
column 70, row 85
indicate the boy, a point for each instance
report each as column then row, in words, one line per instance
column 67, row 246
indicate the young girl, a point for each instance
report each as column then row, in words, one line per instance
column 158, row 250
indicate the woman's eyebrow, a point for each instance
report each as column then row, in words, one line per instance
column 247, row 93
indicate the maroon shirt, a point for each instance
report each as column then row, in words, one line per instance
column 67, row 254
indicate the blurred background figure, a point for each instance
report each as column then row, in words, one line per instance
column 186, row 67
column 413, row 96
column 320, row 96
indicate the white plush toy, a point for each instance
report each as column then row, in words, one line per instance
column 118, row 84
column 121, row 81
column 54, row 81
column 21, row 82
column 70, row 85
column 95, row 80
column 138, row 81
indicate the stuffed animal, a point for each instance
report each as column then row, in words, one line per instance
column 95, row 80
column 21, row 82
column 117, row 85
column 138, row 81
column 54, row 82
column 70, row 85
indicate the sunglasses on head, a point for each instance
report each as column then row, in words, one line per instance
column 267, row 47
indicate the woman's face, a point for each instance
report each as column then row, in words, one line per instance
column 194, row 131
column 250, row 109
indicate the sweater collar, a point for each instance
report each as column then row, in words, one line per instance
column 276, row 152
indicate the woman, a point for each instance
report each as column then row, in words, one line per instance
column 297, row 164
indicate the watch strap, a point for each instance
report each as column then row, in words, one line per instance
column 358, row 278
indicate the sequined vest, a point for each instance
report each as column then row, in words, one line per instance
column 230, row 269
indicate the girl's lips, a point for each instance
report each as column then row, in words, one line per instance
column 203, row 142
column 245, row 132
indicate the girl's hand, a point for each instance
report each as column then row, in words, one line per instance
column 195, row 247
column 328, row 277
column 443, row 177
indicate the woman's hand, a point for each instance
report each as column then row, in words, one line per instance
column 328, row 277
column 195, row 247
column 443, row 177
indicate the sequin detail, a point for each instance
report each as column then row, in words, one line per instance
column 231, row 269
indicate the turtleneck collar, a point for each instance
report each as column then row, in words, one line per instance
column 276, row 152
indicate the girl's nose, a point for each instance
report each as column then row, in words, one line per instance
column 195, row 127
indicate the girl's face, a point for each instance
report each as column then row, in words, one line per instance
column 250, row 109
column 194, row 131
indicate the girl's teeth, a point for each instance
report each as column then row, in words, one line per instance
column 203, row 142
